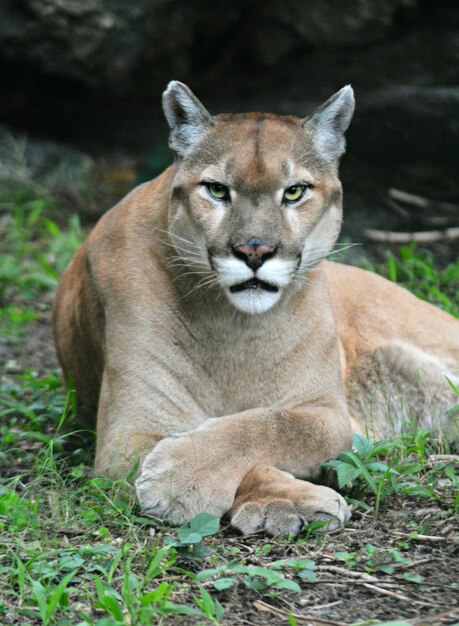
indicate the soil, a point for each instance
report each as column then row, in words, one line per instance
column 342, row 596
column 133, row 133
column 338, row 596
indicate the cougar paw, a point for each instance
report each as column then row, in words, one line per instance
column 274, row 501
column 277, row 517
column 179, row 479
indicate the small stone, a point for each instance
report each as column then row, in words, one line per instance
column 13, row 367
column 107, row 21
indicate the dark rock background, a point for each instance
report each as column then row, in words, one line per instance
column 89, row 73
column 103, row 44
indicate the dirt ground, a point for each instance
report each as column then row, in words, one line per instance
column 423, row 531
column 424, row 587
column 340, row 596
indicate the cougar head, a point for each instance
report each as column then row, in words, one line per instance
column 255, row 199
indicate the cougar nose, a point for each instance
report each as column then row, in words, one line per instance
column 254, row 252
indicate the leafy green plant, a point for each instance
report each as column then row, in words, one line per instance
column 384, row 468
column 49, row 599
column 383, row 559
column 35, row 251
column 75, row 549
column 38, row 421
column 16, row 512
column 418, row 271
column 190, row 536
column 454, row 410
column 13, row 319
column 202, row 525
column 259, row 578
column 361, row 465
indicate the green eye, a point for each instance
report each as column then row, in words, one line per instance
column 218, row 191
column 294, row 193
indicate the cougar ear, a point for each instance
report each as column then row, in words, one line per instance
column 329, row 122
column 187, row 117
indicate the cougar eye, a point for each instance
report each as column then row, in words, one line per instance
column 218, row 191
column 294, row 193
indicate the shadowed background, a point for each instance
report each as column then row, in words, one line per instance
column 80, row 124
column 89, row 74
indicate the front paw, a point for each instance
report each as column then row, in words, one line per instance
column 180, row 478
column 274, row 501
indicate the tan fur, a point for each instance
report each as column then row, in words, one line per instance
column 214, row 401
column 398, row 353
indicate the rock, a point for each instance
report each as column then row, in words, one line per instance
column 102, row 43
column 87, row 41
column 96, row 42
column 46, row 170
column 290, row 24
column 25, row 160
column 412, row 125
column 111, row 43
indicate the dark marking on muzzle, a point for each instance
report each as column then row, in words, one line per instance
column 254, row 252
column 254, row 283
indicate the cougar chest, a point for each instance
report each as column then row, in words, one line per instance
column 247, row 368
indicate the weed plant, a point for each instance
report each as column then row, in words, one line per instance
column 75, row 549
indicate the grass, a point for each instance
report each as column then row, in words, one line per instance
column 75, row 548
column 417, row 270
column 34, row 251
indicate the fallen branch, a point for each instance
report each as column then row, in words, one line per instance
column 415, row 563
column 427, row 236
column 393, row 594
column 440, row 618
column 422, row 202
column 320, row 607
column 441, row 458
column 417, row 537
column 427, row 220
column 399, row 210
column 310, row 619
column 347, row 572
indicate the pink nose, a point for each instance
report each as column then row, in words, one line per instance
column 254, row 252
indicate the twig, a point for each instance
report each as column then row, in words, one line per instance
column 436, row 220
column 439, row 458
column 416, row 563
column 428, row 220
column 320, row 607
column 352, row 573
column 70, row 531
column 343, row 582
column 422, row 202
column 400, row 211
column 439, row 618
column 330, row 581
column 393, row 594
column 428, row 236
column 417, row 537
column 311, row 619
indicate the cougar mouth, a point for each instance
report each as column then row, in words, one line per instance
column 254, row 283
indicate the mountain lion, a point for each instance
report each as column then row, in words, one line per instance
column 219, row 351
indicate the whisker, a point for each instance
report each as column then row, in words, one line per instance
column 175, row 247
column 189, row 261
column 202, row 283
column 190, row 274
column 175, row 236
column 343, row 247
column 348, row 245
